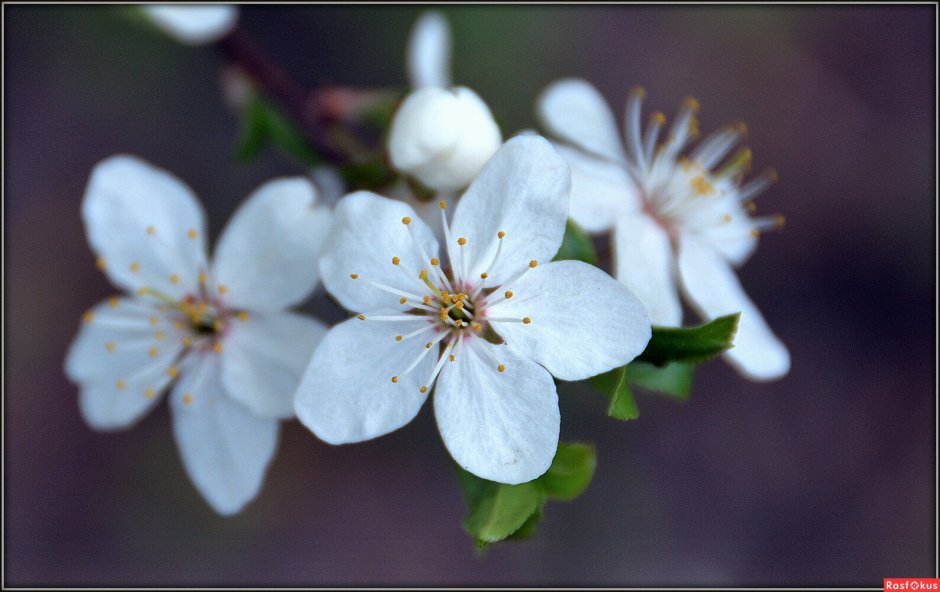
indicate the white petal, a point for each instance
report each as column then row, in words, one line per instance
column 574, row 111
column 601, row 191
column 502, row 426
column 194, row 25
column 145, row 225
column 265, row 356
column 584, row 322
column 111, row 358
column 443, row 137
column 721, row 221
column 523, row 191
column 347, row 394
column 713, row 290
column 367, row 233
column 225, row 448
column 266, row 257
column 429, row 51
column 644, row 262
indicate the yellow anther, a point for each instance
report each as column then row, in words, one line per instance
column 533, row 263
column 142, row 291
column 451, row 357
column 174, row 279
column 179, row 325
column 149, row 393
column 428, row 345
column 779, row 220
column 638, row 91
column 154, row 352
column 500, row 234
column 217, row 325
column 399, row 337
column 755, row 232
column 701, row 186
column 508, row 294
column 727, row 218
column 402, row 300
column 203, row 277
column 217, row 347
column 154, row 321
column 740, row 127
column 658, row 118
column 395, row 260
column 443, row 204
column 110, row 346
column 361, row 317
column 406, row 220
column 101, row 264
column 693, row 127
column 426, row 300
column 242, row 315
column 113, row 302
column 691, row 103
column 435, row 262
column 172, row 371
column 222, row 289
column 187, row 341
column 476, row 326
column 443, row 314
column 461, row 241
column 395, row 379
column 120, row 384
column 354, row 276
column 192, row 234
column 459, row 305
column 685, row 163
column 423, row 274
column 459, row 322
column 446, row 297
column 484, row 275
column 501, row 368
column 151, row 230
column 750, row 206
column 526, row 320
column 424, row 389
column 88, row 317
column 187, row 399
column 158, row 335
column 772, row 175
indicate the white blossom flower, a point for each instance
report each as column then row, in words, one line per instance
column 675, row 219
column 491, row 327
column 216, row 333
column 193, row 24
column 441, row 136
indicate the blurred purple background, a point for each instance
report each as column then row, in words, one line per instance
column 824, row 478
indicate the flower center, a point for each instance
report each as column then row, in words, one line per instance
column 452, row 306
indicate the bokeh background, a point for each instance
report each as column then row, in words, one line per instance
column 826, row 477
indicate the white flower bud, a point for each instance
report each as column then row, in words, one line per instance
column 443, row 137
column 193, row 24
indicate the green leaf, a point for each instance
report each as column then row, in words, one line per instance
column 264, row 124
column 615, row 386
column 502, row 510
column 571, row 471
column 673, row 379
column 692, row 345
column 576, row 245
column 499, row 511
column 370, row 174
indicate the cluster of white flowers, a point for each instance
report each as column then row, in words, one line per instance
column 470, row 308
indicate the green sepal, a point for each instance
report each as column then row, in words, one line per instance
column 576, row 245
column 615, row 386
column 499, row 511
column 674, row 379
column 692, row 345
column 263, row 124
